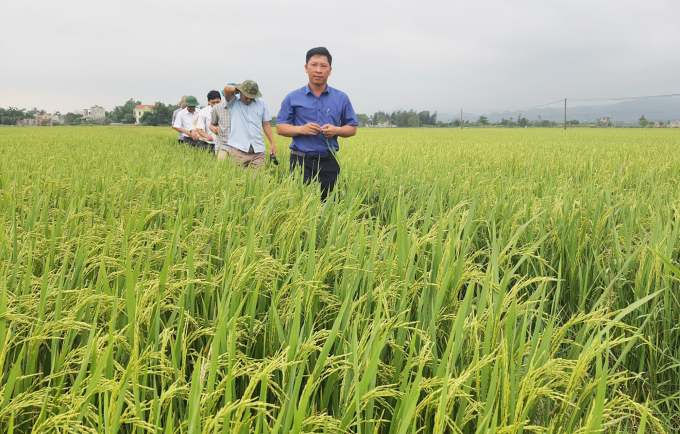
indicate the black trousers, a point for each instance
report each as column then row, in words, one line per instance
column 200, row 144
column 325, row 170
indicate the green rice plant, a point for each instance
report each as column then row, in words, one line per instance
column 459, row 282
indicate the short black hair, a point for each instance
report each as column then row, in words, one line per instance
column 320, row 51
column 213, row 94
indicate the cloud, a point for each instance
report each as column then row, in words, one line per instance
column 387, row 55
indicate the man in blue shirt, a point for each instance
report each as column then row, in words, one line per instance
column 315, row 116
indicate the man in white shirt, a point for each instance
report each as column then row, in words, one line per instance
column 184, row 120
column 207, row 137
column 174, row 116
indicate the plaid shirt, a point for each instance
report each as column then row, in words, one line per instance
column 222, row 118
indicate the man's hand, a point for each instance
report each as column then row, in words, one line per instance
column 330, row 131
column 215, row 129
column 194, row 136
column 272, row 149
column 311, row 129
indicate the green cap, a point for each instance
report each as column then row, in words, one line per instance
column 250, row 89
column 191, row 101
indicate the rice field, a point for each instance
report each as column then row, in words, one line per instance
column 461, row 281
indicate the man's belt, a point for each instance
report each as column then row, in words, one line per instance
column 315, row 157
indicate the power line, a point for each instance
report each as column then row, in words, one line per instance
column 516, row 110
column 672, row 95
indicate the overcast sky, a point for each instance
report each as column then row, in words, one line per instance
column 444, row 55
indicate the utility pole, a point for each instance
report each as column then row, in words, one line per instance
column 565, row 114
column 461, row 119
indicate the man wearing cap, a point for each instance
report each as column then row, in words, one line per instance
column 315, row 116
column 184, row 120
column 249, row 116
column 174, row 116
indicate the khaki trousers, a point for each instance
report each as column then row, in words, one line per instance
column 243, row 159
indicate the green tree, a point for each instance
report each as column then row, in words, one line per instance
column 424, row 118
column 643, row 121
column 402, row 119
column 363, row 119
column 125, row 112
column 483, row 120
column 161, row 115
column 412, row 122
column 73, row 119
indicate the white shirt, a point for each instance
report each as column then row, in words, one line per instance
column 174, row 116
column 184, row 120
column 204, row 123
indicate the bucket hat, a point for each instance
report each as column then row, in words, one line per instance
column 250, row 89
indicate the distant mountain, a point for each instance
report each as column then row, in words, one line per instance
column 626, row 112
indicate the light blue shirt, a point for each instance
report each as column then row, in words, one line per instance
column 246, row 124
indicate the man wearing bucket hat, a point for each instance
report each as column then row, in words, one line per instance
column 249, row 117
column 315, row 116
column 184, row 120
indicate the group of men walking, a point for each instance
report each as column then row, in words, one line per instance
column 314, row 116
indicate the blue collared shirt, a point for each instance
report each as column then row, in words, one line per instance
column 246, row 124
column 302, row 106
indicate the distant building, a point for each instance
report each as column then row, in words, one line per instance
column 675, row 124
column 140, row 110
column 57, row 118
column 98, row 112
column 27, row 122
column 94, row 113
column 605, row 122
column 44, row 120
column 385, row 124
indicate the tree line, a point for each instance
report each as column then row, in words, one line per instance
column 413, row 119
column 400, row 118
column 161, row 115
column 124, row 114
column 11, row 115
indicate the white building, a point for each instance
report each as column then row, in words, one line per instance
column 140, row 110
column 96, row 113
column 57, row 118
